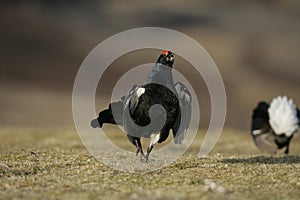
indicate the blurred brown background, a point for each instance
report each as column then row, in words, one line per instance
column 255, row 44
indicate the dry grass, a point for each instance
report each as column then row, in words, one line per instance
column 54, row 165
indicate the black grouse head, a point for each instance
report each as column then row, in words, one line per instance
column 166, row 58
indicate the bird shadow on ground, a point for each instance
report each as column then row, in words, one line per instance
column 264, row 160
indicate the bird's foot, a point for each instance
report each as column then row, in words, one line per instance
column 142, row 156
column 147, row 157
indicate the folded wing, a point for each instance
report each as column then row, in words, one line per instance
column 260, row 119
column 183, row 120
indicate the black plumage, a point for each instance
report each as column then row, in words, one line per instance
column 106, row 116
column 134, row 113
column 265, row 137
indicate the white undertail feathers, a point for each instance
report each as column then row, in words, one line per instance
column 283, row 116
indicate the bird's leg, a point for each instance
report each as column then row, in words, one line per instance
column 149, row 149
column 140, row 149
column 287, row 149
column 288, row 145
column 154, row 140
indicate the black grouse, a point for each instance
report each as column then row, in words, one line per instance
column 133, row 110
column 273, row 125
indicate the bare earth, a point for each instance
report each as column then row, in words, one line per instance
column 54, row 164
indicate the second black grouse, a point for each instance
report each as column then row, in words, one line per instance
column 273, row 125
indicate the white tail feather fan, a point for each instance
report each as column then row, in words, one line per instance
column 283, row 116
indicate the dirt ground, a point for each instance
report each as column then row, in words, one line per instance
column 53, row 164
